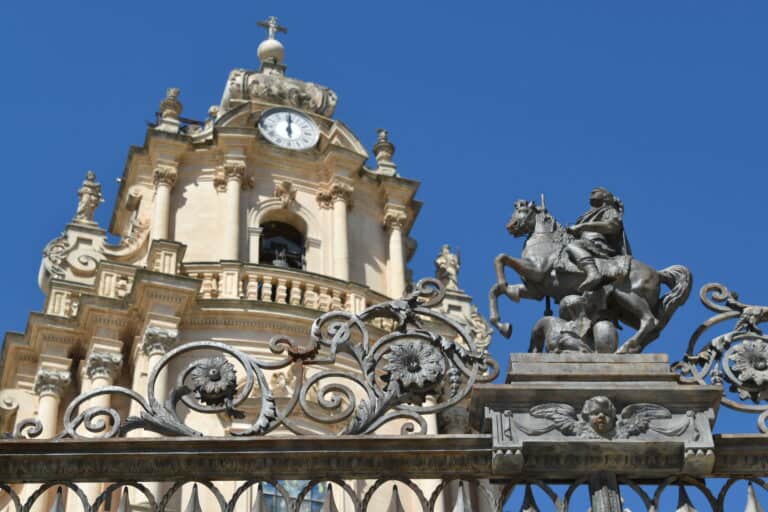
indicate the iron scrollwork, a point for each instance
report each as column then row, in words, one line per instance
column 738, row 359
column 354, row 373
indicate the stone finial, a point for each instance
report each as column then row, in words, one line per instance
column 171, row 107
column 90, row 199
column 158, row 340
column 103, row 365
column 384, row 150
column 170, row 110
column 49, row 381
column 271, row 51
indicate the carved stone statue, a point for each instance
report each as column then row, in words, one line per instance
column 447, row 265
column 574, row 330
column 626, row 290
column 599, row 234
column 90, row 198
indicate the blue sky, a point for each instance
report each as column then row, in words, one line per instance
column 662, row 102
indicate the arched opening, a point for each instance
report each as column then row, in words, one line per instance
column 282, row 245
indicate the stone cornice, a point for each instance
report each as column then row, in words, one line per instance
column 354, row 457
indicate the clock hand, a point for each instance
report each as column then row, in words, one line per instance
column 288, row 129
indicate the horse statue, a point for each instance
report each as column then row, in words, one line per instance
column 632, row 297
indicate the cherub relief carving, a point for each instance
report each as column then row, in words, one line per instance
column 598, row 419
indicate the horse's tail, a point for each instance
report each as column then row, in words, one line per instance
column 680, row 282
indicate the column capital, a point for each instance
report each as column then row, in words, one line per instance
column 234, row 169
column 336, row 191
column 158, row 340
column 51, row 382
column 103, row 365
column 166, row 174
column 395, row 219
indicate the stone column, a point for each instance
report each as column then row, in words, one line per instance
column 234, row 171
column 340, row 194
column 165, row 177
column 101, row 369
column 429, row 486
column 49, row 387
column 156, row 343
column 604, row 493
column 394, row 221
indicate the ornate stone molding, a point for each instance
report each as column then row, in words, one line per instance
column 286, row 193
column 278, row 89
column 103, row 365
column 166, row 174
column 51, row 381
column 158, row 340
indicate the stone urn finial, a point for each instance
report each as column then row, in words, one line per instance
column 170, row 107
column 383, row 150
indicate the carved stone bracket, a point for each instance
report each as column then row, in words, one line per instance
column 49, row 381
column 158, row 340
column 103, row 365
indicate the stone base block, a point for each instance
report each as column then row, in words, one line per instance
column 563, row 416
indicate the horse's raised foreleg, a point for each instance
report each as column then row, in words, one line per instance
column 505, row 328
column 525, row 268
column 636, row 306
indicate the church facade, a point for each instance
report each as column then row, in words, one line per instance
column 237, row 229
column 254, row 342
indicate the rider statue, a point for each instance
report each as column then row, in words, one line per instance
column 599, row 234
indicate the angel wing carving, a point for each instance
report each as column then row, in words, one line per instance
column 563, row 418
column 636, row 419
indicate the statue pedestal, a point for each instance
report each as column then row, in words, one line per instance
column 571, row 415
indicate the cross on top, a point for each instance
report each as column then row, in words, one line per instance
column 272, row 27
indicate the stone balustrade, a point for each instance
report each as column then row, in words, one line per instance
column 227, row 280
column 265, row 283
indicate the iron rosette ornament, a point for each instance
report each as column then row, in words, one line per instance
column 356, row 373
column 736, row 359
column 407, row 372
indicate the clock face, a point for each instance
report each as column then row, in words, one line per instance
column 288, row 128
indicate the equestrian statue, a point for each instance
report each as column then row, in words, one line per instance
column 590, row 265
